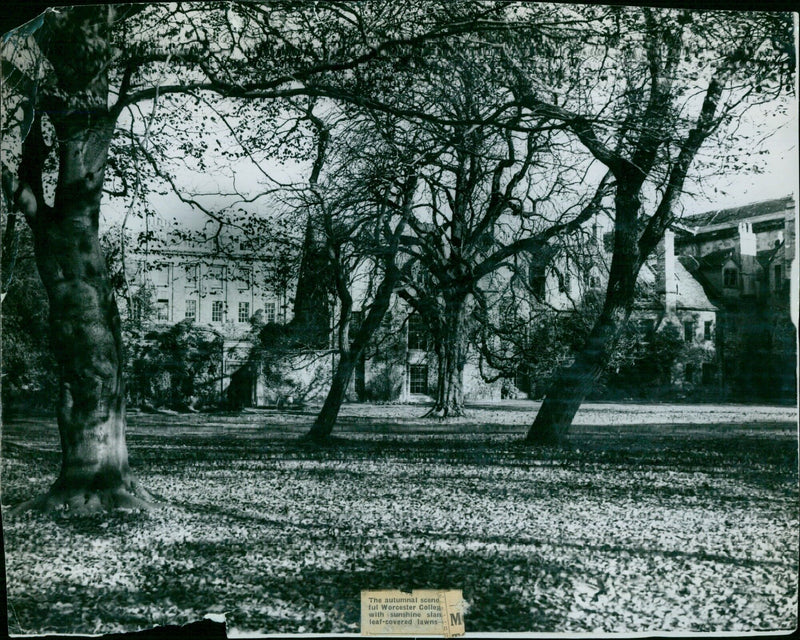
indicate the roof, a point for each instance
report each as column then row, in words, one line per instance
column 766, row 256
column 715, row 259
column 691, row 294
column 738, row 214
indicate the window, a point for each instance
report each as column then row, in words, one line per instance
column 709, row 372
column 777, row 277
column 539, row 285
column 216, row 311
column 191, row 310
column 730, row 277
column 688, row 373
column 356, row 319
column 244, row 312
column 688, row 331
column 269, row 312
column 160, row 276
column 418, row 378
column 417, row 335
column 162, row 310
column 707, row 328
column 537, row 281
column 594, row 282
column 215, row 278
column 136, row 309
column 190, row 272
column 244, row 278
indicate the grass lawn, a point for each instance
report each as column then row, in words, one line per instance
column 659, row 519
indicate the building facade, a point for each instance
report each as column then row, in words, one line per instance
column 743, row 257
column 720, row 280
column 220, row 295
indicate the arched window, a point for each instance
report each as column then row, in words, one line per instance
column 730, row 277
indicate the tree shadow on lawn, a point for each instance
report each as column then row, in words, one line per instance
column 765, row 454
column 497, row 587
column 767, row 458
column 466, row 448
column 507, row 590
column 67, row 607
column 690, row 446
column 319, row 534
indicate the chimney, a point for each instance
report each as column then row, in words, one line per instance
column 666, row 278
column 747, row 257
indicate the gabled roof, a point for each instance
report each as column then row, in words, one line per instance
column 738, row 214
column 691, row 290
column 691, row 294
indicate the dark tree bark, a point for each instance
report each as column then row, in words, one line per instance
column 632, row 245
column 571, row 385
column 452, row 359
column 441, row 375
column 351, row 354
column 84, row 321
column 85, row 329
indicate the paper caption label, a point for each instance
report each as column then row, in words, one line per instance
column 423, row 612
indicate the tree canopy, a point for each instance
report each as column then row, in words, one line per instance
column 498, row 129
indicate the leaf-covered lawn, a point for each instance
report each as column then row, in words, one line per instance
column 640, row 527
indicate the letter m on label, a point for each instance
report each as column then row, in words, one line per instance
column 455, row 618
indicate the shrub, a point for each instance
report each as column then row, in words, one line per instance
column 177, row 368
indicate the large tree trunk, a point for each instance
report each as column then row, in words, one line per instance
column 452, row 359
column 571, row 385
column 85, row 327
column 349, row 356
column 453, row 396
column 326, row 419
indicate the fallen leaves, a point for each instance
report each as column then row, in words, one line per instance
column 668, row 536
